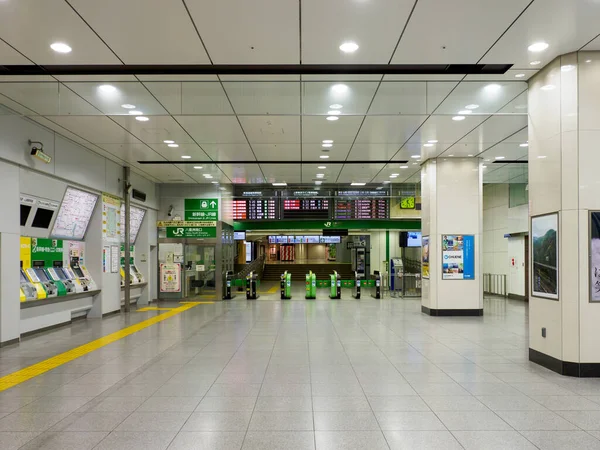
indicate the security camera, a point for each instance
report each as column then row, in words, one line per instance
column 170, row 213
column 37, row 151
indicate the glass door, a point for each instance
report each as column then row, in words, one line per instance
column 199, row 276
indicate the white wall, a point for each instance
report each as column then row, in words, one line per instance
column 495, row 226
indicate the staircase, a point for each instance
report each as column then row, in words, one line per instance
column 273, row 271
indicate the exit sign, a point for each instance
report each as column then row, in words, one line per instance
column 201, row 209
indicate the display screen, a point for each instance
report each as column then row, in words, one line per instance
column 330, row 239
column 78, row 272
column 60, row 273
column 65, row 272
column 135, row 223
column 41, row 274
column 239, row 235
column 362, row 209
column 74, row 214
column 306, row 208
column 42, row 218
column 255, row 209
column 313, row 239
column 25, row 210
column 414, row 239
column 23, row 277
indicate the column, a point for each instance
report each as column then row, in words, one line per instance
column 452, row 227
column 564, row 193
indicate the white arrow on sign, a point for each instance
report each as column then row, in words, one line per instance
column 213, row 204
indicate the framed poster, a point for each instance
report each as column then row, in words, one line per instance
column 170, row 279
column 458, row 257
column 594, row 256
column 544, row 251
column 425, row 257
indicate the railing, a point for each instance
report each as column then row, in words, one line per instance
column 495, row 284
column 258, row 266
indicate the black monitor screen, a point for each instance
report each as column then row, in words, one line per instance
column 41, row 274
column 23, row 277
column 42, row 218
column 25, row 210
column 60, row 273
column 78, row 272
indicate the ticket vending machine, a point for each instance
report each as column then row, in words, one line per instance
column 58, row 276
column 38, row 277
column 136, row 274
column 82, row 275
column 336, row 286
column 28, row 289
column 70, row 275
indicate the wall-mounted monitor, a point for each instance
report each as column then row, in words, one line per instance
column 239, row 235
column 42, row 218
column 74, row 214
column 25, row 210
column 135, row 223
column 413, row 239
column 330, row 239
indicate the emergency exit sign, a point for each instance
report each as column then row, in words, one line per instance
column 201, row 209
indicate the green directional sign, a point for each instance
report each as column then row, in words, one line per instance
column 202, row 232
column 201, row 209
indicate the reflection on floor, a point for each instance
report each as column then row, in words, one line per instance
column 346, row 374
column 305, row 261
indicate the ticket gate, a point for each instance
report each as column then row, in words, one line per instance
column 311, row 286
column 356, row 289
column 336, row 286
column 251, row 281
column 286, row 286
column 377, row 293
column 228, row 282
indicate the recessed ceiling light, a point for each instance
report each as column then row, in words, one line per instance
column 433, row 141
column 524, row 144
column 214, row 182
column 168, row 141
column 197, row 167
column 394, row 175
column 322, row 167
column 349, row 47
column 60, row 47
column 404, row 167
column 427, row 145
column 142, row 118
column 334, row 112
column 548, row 87
column 357, row 184
column 483, row 167
column 339, row 88
column 493, row 87
column 171, row 145
column 379, row 188
column 386, row 182
column 332, row 118
column 472, row 106
column 541, row 156
column 324, row 156
column 588, row 60
column 521, row 107
column 458, row 118
column 207, row 176
column 450, row 155
column 335, row 106
column 534, row 63
column 567, row 67
column 415, row 164
column 318, row 181
column 186, row 157
column 519, row 75
column 136, row 113
column 470, row 156
column 320, row 175
column 415, row 156
column 464, row 112
column 280, row 183
column 107, row 88
column 327, row 141
column 326, row 145
column 538, row 47
column 127, row 106
column 499, row 157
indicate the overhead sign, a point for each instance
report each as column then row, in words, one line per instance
column 201, row 209
column 192, row 232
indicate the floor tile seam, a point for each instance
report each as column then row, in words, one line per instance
column 310, row 377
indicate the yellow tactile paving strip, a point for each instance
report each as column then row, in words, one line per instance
column 30, row 372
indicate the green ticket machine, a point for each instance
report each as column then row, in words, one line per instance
column 336, row 286
column 311, row 285
column 286, row 286
column 251, row 282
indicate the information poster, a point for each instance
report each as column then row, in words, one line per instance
column 105, row 258
column 115, row 258
column 458, row 257
column 595, row 256
column 170, row 279
column 111, row 218
column 25, row 252
column 544, row 247
column 425, row 257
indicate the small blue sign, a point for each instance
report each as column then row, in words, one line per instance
column 468, row 257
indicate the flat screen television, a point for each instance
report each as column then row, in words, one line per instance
column 414, row 239
column 240, row 235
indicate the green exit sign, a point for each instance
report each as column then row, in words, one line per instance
column 201, row 209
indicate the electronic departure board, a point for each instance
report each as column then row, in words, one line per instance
column 306, row 208
column 377, row 208
column 255, row 209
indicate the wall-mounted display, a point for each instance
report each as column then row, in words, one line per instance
column 458, row 257
column 239, row 235
column 414, row 239
column 135, row 222
column 255, row 209
column 425, row 257
column 362, row 209
column 595, row 256
column 74, row 214
column 306, row 208
column 544, row 261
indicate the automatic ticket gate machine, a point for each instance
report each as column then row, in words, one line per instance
column 356, row 289
column 29, row 290
column 311, row 286
column 227, row 295
column 377, row 287
column 336, row 286
column 251, row 281
column 286, row 286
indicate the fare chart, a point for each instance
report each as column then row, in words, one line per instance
column 74, row 214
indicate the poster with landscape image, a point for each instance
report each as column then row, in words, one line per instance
column 595, row 256
column 544, row 247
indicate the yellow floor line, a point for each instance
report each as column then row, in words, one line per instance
column 153, row 308
column 273, row 290
column 30, row 372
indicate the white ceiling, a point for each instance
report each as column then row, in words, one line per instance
column 384, row 119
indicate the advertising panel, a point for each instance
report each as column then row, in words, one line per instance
column 595, row 256
column 170, row 280
column 458, row 257
column 425, row 257
column 544, row 249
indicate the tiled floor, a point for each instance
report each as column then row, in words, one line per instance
column 299, row 374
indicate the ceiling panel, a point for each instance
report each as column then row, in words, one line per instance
column 490, row 97
column 400, row 98
column 594, row 45
column 289, row 173
column 155, row 39
column 445, row 130
column 169, row 173
column 176, row 154
column 401, row 172
column 243, row 173
column 271, row 129
column 134, row 152
column 565, row 25
column 330, row 172
column 496, row 128
column 31, row 26
column 455, row 32
column 504, row 150
column 509, row 75
column 213, row 129
column 198, row 98
column 258, row 32
column 373, row 151
column 388, row 129
column 352, row 97
column 313, row 152
column 264, row 97
column 156, row 130
column 96, row 129
column 47, row 98
column 9, row 55
column 359, row 173
column 280, row 152
column 374, row 26
column 315, row 129
column 229, row 152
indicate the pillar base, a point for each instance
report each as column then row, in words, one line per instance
column 451, row 312
column 570, row 369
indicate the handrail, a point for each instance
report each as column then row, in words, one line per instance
column 495, row 284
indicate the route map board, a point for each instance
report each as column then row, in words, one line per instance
column 306, row 208
column 362, row 209
column 74, row 214
column 135, row 223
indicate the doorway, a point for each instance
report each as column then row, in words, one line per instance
column 526, row 267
